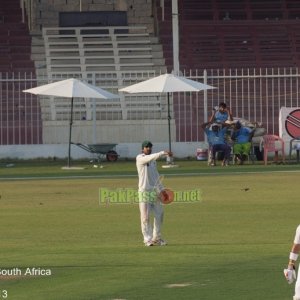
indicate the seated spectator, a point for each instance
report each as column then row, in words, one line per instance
column 242, row 142
column 221, row 115
column 216, row 140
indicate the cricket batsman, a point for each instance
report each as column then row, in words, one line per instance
column 290, row 271
column 150, row 192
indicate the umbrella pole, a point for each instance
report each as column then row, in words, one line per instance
column 169, row 158
column 70, row 134
column 169, row 122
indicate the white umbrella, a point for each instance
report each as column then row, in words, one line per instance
column 167, row 83
column 71, row 88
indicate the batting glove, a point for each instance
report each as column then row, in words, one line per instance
column 290, row 275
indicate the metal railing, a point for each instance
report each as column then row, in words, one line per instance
column 253, row 94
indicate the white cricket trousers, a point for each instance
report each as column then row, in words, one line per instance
column 297, row 287
column 146, row 208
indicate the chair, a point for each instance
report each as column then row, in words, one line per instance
column 270, row 144
column 296, row 147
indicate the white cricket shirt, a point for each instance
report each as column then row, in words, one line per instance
column 297, row 236
column 147, row 171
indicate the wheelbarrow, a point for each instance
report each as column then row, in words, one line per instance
column 101, row 151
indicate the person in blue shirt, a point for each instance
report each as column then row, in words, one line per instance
column 217, row 142
column 242, row 141
column 221, row 114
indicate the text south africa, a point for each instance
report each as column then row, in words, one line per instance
column 25, row 272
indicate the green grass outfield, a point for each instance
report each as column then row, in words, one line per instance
column 233, row 244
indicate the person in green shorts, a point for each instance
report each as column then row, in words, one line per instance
column 242, row 142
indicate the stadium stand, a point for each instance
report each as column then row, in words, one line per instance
column 99, row 49
column 111, row 54
column 231, row 35
column 214, row 35
column 222, row 34
column 19, row 118
column 15, row 41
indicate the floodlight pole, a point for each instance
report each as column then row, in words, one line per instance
column 175, row 33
